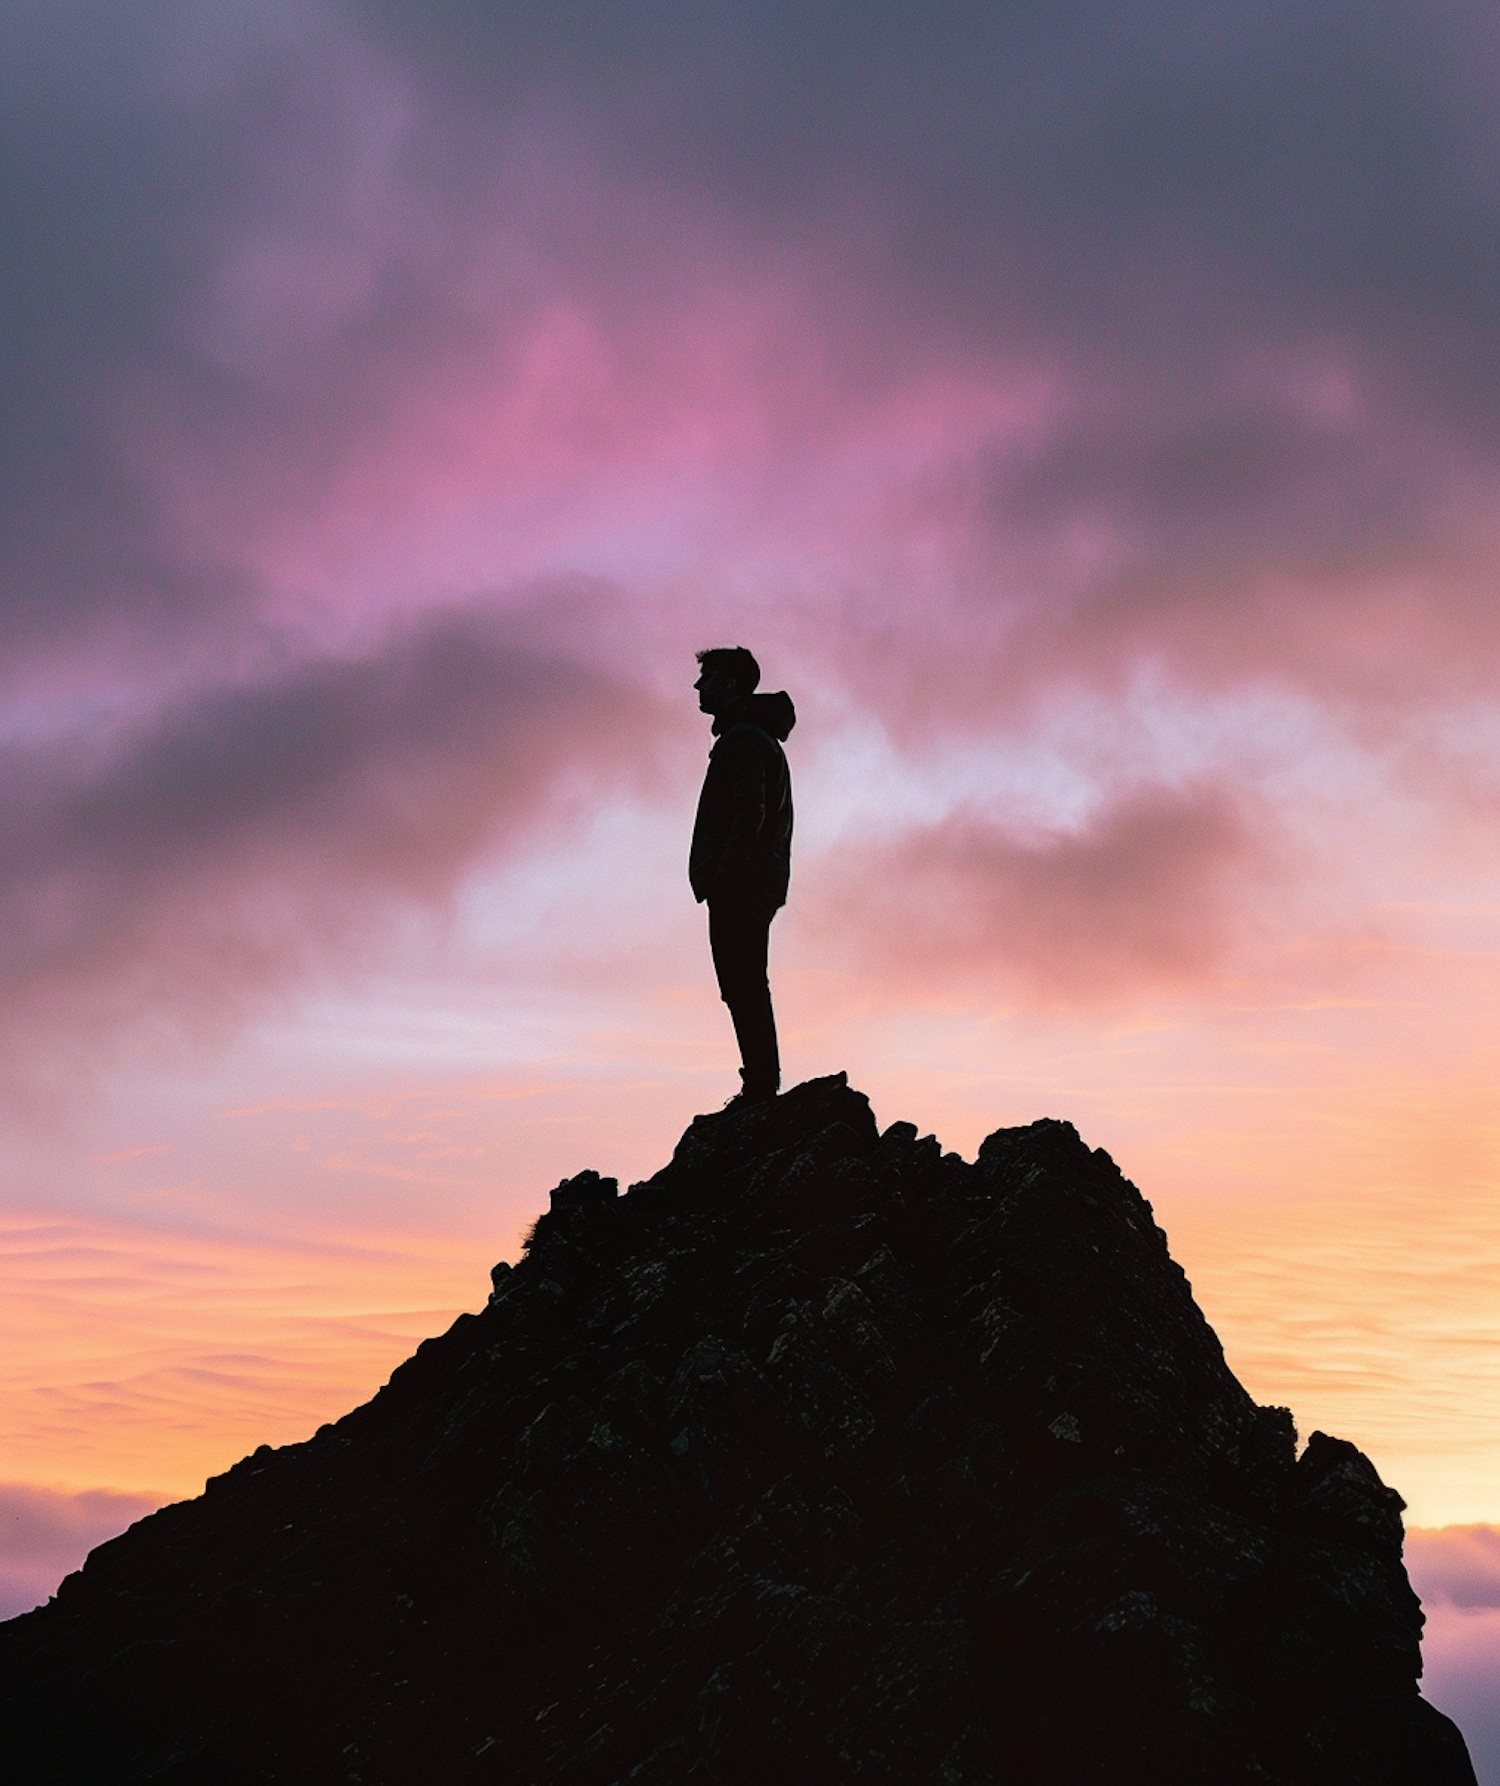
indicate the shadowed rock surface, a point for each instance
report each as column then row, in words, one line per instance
column 819, row 1457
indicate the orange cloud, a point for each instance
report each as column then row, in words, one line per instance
column 143, row 1358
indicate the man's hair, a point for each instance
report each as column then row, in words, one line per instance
column 733, row 661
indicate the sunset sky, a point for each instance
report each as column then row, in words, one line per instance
column 1089, row 412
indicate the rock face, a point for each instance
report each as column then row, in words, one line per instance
column 819, row 1457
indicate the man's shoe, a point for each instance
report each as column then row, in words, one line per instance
column 756, row 1094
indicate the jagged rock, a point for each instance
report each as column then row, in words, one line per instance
column 819, row 1457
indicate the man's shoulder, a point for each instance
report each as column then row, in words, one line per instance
column 741, row 739
column 746, row 734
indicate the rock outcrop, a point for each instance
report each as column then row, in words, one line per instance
column 821, row 1456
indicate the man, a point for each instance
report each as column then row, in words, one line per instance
column 741, row 856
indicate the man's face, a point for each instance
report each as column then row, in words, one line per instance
column 716, row 690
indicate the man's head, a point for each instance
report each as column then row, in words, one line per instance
column 725, row 675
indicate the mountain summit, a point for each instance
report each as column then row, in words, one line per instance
column 820, row 1457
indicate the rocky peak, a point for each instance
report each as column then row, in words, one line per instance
column 821, row 1456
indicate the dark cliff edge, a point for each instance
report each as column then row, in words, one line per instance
column 821, row 1456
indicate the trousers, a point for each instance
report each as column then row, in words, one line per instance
column 739, row 935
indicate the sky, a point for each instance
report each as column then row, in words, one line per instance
column 1089, row 412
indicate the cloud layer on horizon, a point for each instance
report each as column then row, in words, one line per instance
column 48, row 1532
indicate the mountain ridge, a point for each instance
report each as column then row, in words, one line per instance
column 821, row 1455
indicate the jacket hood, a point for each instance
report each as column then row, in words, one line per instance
column 772, row 713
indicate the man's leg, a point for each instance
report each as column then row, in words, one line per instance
column 755, row 1031
column 739, row 935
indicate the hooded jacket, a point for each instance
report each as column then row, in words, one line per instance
column 742, row 838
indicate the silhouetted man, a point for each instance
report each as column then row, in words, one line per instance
column 741, row 857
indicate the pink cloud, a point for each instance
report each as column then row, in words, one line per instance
column 1144, row 895
column 1456, row 1566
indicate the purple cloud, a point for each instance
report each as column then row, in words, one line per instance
column 185, row 863
column 46, row 1532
